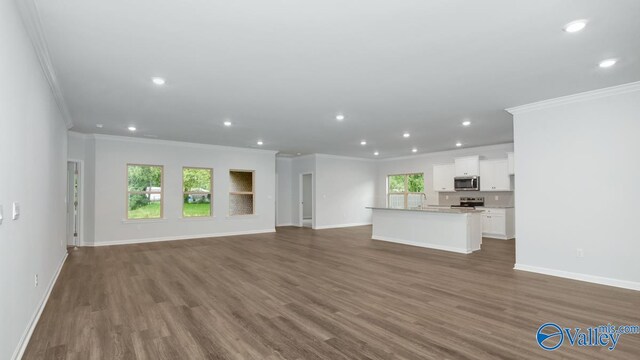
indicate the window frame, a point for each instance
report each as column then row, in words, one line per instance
column 129, row 193
column 210, row 193
column 252, row 192
column 406, row 192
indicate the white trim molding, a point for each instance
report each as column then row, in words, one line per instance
column 625, row 284
column 31, row 19
column 26, row 336
column 181, row 237
column 583, row 96
column 285, row 224
column 422, row 245
column 178, row 143
column 337, row 226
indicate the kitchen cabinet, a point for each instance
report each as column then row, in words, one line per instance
column 498, row 223
column 467, row 166
column 511, row 163
column 494, row 175
column 443, row 177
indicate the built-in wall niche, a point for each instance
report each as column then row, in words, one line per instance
column 241, row 192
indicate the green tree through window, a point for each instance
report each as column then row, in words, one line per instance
column 405, row 190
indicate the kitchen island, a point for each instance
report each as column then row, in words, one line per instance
column 451, row 229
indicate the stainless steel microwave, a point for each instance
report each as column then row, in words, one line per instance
column 466, row 183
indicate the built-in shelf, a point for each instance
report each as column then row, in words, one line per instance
column 241, row 192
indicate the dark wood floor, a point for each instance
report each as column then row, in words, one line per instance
column 305, row 294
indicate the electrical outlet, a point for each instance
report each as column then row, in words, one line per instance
column 446, row 197
column 1, row 214
column 496, row 198
column 579, row 252
column 36, row 280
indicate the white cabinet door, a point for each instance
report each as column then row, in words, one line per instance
column 511, row 163
column 486, row 224
column 494, row 175
column 467, row 166
column 498, row 225
column 443, row 177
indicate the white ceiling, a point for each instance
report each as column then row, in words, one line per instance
column 282, row 69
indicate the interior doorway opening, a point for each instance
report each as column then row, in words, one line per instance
column 306, row 200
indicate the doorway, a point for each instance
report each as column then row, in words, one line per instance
column 306, row 200
column 73, row 203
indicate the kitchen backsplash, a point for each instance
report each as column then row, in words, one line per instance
column 453, row 198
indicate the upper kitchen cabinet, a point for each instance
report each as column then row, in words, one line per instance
column 511, row 163
column 467, row 166
column 443, row 177
column 494, row 175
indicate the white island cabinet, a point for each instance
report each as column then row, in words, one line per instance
column 457, row 230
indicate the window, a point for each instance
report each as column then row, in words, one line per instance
column 196, row 191
column 144, row 191
column 241, row 193
column 405, row 190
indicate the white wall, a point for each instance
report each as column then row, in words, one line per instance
column 307, row 196
column 424, row 164
column 33, row 173
column 283, row 200
column 112, row 154
column 344, row 187
column 578, row 169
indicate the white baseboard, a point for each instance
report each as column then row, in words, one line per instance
column 286, row 224
column 499, row 237
column 423, row 245
column 26, row 336
column 181, row 237
column 625, row 284
column 336, row 226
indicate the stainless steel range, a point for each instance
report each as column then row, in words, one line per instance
column 470, row 202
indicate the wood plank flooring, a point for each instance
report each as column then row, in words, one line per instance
column 305, row 294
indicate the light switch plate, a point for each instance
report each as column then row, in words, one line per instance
column 16, row 210
column 1, row 214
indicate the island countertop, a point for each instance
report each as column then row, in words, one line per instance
column 432, row 210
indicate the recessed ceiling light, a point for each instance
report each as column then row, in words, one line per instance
column 259, row 142
column 227, row 123
column 299, row 154
column 340, row 117
column 458, row 144
column 575, row 26
column 607, row 63
column 132, row 128
column 406, row 135
column 99, row 126
column 414, row 150
column 158, row 80
column 466, row 123
column 376, row 153
column 363, row 142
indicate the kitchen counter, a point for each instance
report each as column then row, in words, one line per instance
column 447, row 210
column 450, row 229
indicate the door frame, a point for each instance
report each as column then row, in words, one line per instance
column 80, row 200
column 301, row 197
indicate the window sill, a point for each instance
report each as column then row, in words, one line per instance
column 143, row 221
column 197, row 218
column 248, row 216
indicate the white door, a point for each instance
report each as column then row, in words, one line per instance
column 306, row 200
column 73, row 202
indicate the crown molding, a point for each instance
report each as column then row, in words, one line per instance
column 455, row 152
column 176, row 143
column 31, row 19
column 583, row 96
column 339, row 157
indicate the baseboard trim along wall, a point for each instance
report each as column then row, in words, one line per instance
column 421, row 244
column 287, row 224
column 336, row 226
column 26, row 336
column 184, row 237
column 625, row 284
